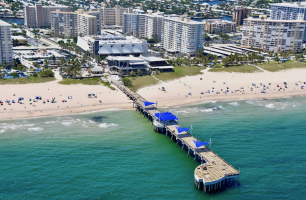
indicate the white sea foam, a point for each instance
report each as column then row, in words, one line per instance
column 67, row 123
column 251, row 102
column 234, row 104
column 221, row 107
column 2, row 130
column 182, row 111
column 106, row 125
column 271, row 105
column 51, row 122
column 207, row 110
column 35, row 129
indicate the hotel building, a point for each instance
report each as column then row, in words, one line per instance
column 240, row 13
column 143, row 25
column 273, row 35
column 6, row 53
column 182, row 35
column 39, row 16
column 288, row 11
column 216, row 25
column 113, row 16
column 87, row 24
column 64, row 24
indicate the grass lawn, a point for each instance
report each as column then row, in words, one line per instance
column 142, row 81
column 236, row 68
column 273, row 66
column 180, row 71
column 85, row 81
column 26, row 80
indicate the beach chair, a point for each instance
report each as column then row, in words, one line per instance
column 44, row 101
column 47, row 100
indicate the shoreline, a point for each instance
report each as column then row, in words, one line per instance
column 90, row 109
column 179, row 92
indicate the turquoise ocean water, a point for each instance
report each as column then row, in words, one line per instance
column 116, row 154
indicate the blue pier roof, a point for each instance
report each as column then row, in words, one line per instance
column 181, row 129
column 166, row 116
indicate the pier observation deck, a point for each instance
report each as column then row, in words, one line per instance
column 214, row 173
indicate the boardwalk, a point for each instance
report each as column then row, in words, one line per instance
column 214, row 173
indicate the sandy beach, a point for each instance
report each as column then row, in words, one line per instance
column 178, row 92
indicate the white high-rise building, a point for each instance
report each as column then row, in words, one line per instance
column 39, row 16
column 87, row 24
column 273, row 35
column 288, row 11
column 182, row 35
column 143, row 25
column 6, row 53
column 113, row 16
column 64, row 24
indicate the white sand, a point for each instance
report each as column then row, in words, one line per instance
column 176, row 93
column 79, row 102
column 177, row 90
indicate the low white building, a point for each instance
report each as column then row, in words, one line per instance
column 131, row 63
column 113, row 45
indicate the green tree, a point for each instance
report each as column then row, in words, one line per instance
column 127, row 82
column 139, row 73
column 132, row 73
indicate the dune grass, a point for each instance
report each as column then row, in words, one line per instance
column 273, row 66
column 142, row 81
column 85, row 81
column 26, row 80
column 236, row 68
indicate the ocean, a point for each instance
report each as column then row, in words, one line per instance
column 115, row 154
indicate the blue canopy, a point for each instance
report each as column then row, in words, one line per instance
column 199, row 143
column 146, row 103
column 181, row 129
column 167, row 116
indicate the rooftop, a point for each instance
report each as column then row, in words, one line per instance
column 272, row 20
column 3, row 23
column 291, row 4
column 124, row 58
column 183, row 20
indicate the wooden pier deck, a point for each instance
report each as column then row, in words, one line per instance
column 214, row 173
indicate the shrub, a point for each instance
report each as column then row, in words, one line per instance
column 46, row 73
column 14, row 74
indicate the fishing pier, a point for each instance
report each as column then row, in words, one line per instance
column 213, row 173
